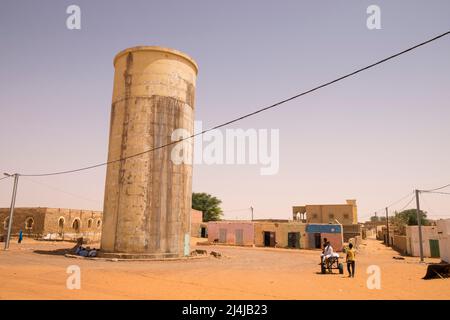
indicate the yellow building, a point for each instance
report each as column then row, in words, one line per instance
column 283, row 234
column 345, row 214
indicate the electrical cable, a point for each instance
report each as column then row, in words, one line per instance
column 248, row 114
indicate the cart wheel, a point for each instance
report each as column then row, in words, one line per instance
column 341, row 268
column 322, row 269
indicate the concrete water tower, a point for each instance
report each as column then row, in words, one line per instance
column 148, row 198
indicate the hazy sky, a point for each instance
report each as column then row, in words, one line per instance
column 373, row 137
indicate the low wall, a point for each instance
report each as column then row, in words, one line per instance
column 428, row 233
column 400, row 244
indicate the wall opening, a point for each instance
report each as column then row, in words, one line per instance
column 76, row 225
column 269, row 239
column 29, row 222
column 61, row 225
column 294, row 240
column 317, row 241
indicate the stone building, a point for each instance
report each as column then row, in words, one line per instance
column 53, row 223
column 67, row 224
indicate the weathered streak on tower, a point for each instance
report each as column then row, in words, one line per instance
column 148, row 198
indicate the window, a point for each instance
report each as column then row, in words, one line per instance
column 99, row 223
column 90, row 223
column 29, row 223
column 76, row 225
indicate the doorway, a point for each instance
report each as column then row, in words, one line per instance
column 294, row 240
column 317, row 241
column 203, row 232
column 434, row 249
column 269, row 239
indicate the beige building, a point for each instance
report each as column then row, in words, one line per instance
column 53, row 223
column 68, row 224
column 443, row 229
column 198, row 227
column 344, row 214
column 430, row 241
column 281, row 234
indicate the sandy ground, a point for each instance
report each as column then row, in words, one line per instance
column 29, row 271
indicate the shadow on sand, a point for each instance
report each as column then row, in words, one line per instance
column 328, row 274
column 57, row 252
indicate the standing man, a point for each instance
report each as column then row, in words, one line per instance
column 20, row 236
column 350, row 259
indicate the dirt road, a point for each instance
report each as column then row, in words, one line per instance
column 29, row 271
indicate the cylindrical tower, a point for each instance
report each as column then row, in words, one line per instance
column 148, row 197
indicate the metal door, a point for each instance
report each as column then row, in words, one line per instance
column 294, row 239
column 222, row 235
column 239, row 236
column 434, row 248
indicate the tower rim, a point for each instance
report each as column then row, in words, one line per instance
column 157, row 49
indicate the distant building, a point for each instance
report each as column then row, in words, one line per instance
column 68, row 224
column 240, row 233
column 344, row 214
column 430, row 241
column 443, row 229
column 198, row 227
column 281, row 234
column 275, row 233
column 318, row 232
column 54, row 223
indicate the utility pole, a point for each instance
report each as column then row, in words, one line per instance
column 251, row 208
column 419, row 224
column 387, row 227
column 11, row 210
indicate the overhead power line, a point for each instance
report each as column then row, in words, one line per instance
column 447, row 193
column 431, row 190
column 381, row 210
column 277, row 104
column 237, row 210
column 62, row 191
column 406, row 205
column 400, row 200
